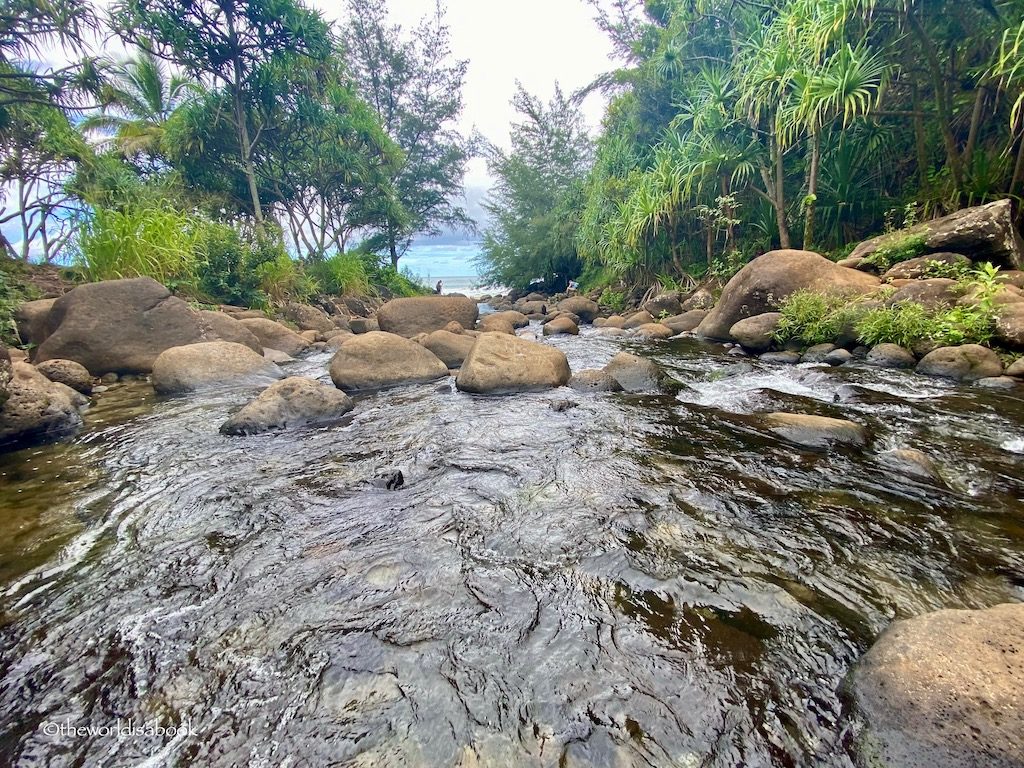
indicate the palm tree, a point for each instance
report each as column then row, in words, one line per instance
column 140, row 98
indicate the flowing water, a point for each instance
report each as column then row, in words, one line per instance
column 639, row 580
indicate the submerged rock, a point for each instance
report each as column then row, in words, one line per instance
column 276, row 336
column 499, row 363
column 815, row 431
column 424, row 314
column 594, row 381
column 911, row 461
column 763, row 284
column 968, row 362
column 195, row 367
column 292, row 402
column 637, row 374
column 37, row 410
column 378, row 359
column 945, row 690
column 67, row 372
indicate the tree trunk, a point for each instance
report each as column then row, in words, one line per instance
column 919, row 139
column 393, row 248
column 780, row 198
column 812, row 190
column 242, row 125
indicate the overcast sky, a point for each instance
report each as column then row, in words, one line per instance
column 534, row 41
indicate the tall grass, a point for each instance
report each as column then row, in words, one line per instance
column 340, row 274
column 143, row 241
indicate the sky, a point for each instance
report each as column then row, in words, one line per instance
column 537, row 42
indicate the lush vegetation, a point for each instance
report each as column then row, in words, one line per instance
column 813, row 318
column 738, row 127
column 246, row 152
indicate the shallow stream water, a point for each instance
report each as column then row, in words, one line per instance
column 638, row 580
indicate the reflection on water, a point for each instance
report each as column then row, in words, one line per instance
column 640, row 580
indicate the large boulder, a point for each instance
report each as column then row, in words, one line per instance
column 945, row 690
column 292, row 402
column 758, row 332
column 450, row 348
column 933, row 293
column 377, row 359
column 515, row 319
column 37, row 410
column 702, row 298
column 276, row 336
column 815, row 431
column 585, row 309
column 424, row 314
column 968, row 362
column 532, row 307
column 308, row 318
column 500, row 363
column 635, row 320
column 33, row 321
column 763, row 284
column 211, row 364
column 120, row 326
column 983, row 233
column 67, row 372
column 635, row 373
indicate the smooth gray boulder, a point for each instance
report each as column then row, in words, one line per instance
column 293, row 402
column 211, row 364
column 967, row 362
column 276, row 336
column 37, row 410
column 424, row 314
column 377, row 359
column 67, row 372
column 499, row 363
column 757, row 333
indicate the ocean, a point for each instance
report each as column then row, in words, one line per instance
column 454, row 265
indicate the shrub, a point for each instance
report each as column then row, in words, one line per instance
column 281, row 280
column 399, row 284
column 902, row 324
column 152, row 240
column 896, row 250
column 12, row 293
column 342, row 273
column 614, row 300
column 815, row 318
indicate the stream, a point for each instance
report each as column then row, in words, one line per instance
column 624, row 580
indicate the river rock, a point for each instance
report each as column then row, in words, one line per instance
column 585, row 309
column 67, row 372
column 424, row 314
column 532, row 307
column 910, row 461
column 890, row 356
column 945, row 690
column 817, row 353
column 293, row 402
column 685, row 322
column 614, row 321
column 815, row 431
column 655, row 331
column 934, row 293
column 210, row 364
column 308, row 318
column 786, row 357
column 765, row 282
column 218, row 326
column 500, row 363
column 6, row 373
column 36, row 409
column 379, row 359
column 361, row 325
column 637, row 319
column 756, row 333
column 515, row 319
column 1010, row 326
column 664, row 305
column 1016, row 368
column 968, row 362
column 838, row 356
column 563, row 324
column 498, row 323
column 997, row 382
column 33, row 321
column 278, row 357
column 701, row 298
column 119, row 326
column 276, row 336
column 450, row 348
column 984, row 233
column 914, row 269
column 594, row 381
column 635, row 374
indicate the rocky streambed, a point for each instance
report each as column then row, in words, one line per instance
column 567, row 577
